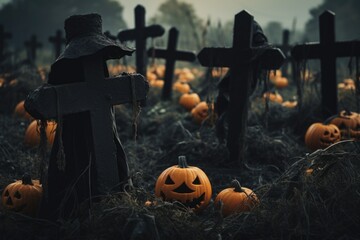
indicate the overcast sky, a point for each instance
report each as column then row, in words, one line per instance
column 264, row 11
column 284, row 11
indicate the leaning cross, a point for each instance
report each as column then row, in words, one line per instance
column 97, row 95
column 239, row 61
column 3, row 36
column 327, row 50
column 31, row 46
column 58, row 41
column 171, row 55
column 139, row 34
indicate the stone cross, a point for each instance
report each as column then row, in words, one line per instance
column 97, row 95
column 58, row 41
column 139, row 34
column 239, row 59
column 327, row 50
column 32, row 45
column 171, row 55
column 3, row 36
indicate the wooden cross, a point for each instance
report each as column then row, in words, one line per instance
column 97, row 95
column 327, row 50
column 3, row 36
column 58, row 41
column 31, row 46
column 286, row 49
column 171, row 55
column 239, row 61
column 139, row 34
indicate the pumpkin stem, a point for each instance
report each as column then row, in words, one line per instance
column 26, row 179
column 182, row 162
column 236, row 184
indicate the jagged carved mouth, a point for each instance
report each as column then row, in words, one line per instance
column 194, row 203
column 327, row 142
column 11, row 206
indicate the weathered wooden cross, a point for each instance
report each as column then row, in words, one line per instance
column 139, row 34
column 286, row 49
column 58, row 41
column 96, row 95
column 32, row 45
column 3, row 36
column 327, row 50
column 239, row 61
column 171, row 55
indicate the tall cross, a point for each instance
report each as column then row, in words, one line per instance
column 32, row 45
column 327, row 50
column 3, row 36
column 171, row 55
column 139, row 34
column 58, row 41
column 239, row 60
column 286, row 49
column 97, row 95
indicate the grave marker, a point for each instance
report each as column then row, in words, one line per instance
column 239, row 59
column 58, row 41
column 31, row 46
column 171, row 55
column 327, row 50
column 140, row 33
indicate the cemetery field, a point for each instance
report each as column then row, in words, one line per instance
column 301, row 192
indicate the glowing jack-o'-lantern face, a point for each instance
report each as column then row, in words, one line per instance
column 348, row 123
column 23, row 196
column 320, row 136
column 186, row 184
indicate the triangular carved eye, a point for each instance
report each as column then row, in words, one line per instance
column 169, row 180
column 6, row 193
column 17, row 195
column 196, row 181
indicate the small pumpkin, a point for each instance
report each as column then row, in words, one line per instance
column 158, row 83
column 186, row 75
column 181, row 87
column 20, row 111
column 32, row 134
column 289, row 104
column 348, row 123
column 23, row 196
column 201, row 111
column 186, row 184
column 151, row 76
column 189, row 100
column 274, row 74
column 273, row 97
column 280, row 82
column 236, row 199
column 320, row 136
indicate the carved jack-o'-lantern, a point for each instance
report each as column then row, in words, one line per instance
column 23, row 196
column 348, row 123
column 186, row 184
column 189, row 100
column 320, row 136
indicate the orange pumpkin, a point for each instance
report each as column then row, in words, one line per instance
column 201, row 111
column 157, row 83
column 189, row 100
column 320, row 136
column 20, row 111
column 274, row 74
column 181, row 87
column 32, row 134
column 273, row 97
column 289, row 104
column 348, row 123
column 23, row 196
column 236, row 199
column 186, row 75
column 280, row 82
column 186, row 184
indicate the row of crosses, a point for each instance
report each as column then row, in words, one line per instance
column 237, row 59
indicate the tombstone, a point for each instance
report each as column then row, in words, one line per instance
column 58, row 41
column 286, row 49
column 140, row 34
column 31, row 46
column 327, row 50
column 239, row 59
column 171, row 55
column 3, row 36
column 80, row 96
